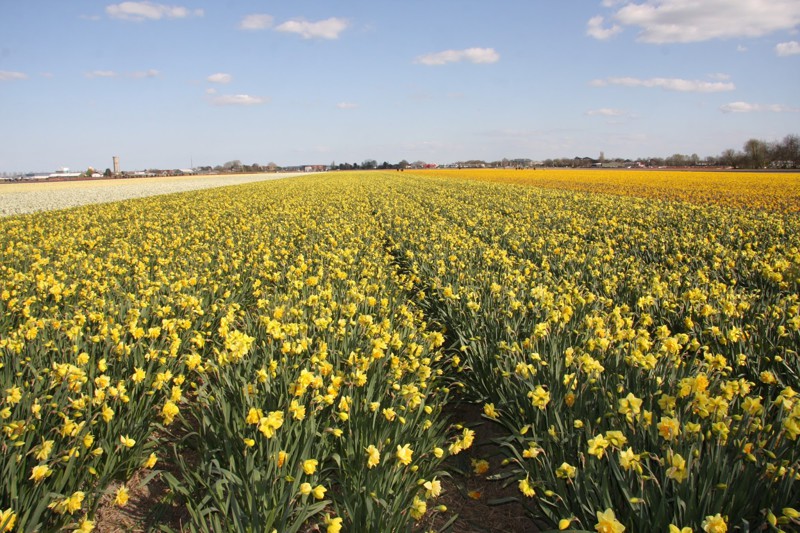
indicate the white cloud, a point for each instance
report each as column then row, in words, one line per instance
column 787, row 49
column 238, row 99
column 473, row 55
column 151, row 73
column 346, row 105
column 257, row 21
column 102, row 74
column 220, row 77
column 669, row 84
column 745, row 107
column 141, row 74
column 605, row 112
column 741, row 48
column 139, row 11
column 323, row 29
column 6, row 75
column 594, row 28
column 685, row 21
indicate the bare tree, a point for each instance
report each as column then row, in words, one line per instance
column 756, row 152
column 787, row 152
column 729, row 157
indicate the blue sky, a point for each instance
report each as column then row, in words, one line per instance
column 165, row 85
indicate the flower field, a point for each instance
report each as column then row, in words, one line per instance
column 773, row 192
column 282, row 353
column 29, row 197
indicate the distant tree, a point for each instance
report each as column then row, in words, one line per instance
column 729, row 157
column 755, row 152
column 232, row 166
column 676, row 160
column 402, row 164
column 107, row 173
column 787, row 152
column 369, row 164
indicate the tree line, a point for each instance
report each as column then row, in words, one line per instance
column 761, row 154
column 755, row 154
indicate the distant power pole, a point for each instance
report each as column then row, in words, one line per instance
column 115, row 159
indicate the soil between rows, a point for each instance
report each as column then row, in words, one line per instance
column 468, row 496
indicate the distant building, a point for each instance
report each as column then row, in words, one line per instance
column 65, row 173
column 115, row 160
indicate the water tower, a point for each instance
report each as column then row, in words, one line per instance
column 115, row 159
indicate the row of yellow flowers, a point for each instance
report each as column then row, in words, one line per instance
column 257, row 338
column 641, row 353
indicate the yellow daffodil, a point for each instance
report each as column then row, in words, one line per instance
column 319, row 492
column 607, row 522
column 373, row 456
column 669, row 428
column 433, row 488
column 418, row 508
column 40, row 472
column 85, row 526
column 404, row 454
column 597, row 446
column 714, row 524
column 479, row 466
column 310, row 466
column 169, row 412
column 333, row 525
column 8, row 519
column 150, row 462
column 122, row 496
column 526, row 488
column 566, row 471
